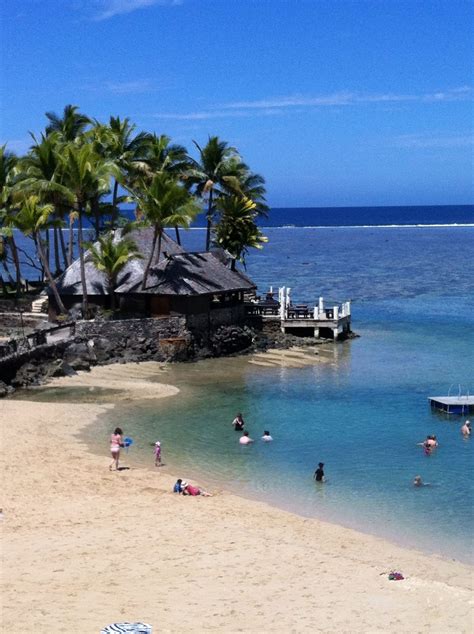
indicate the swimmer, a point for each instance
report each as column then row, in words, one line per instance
column 238, row 422
column 245, row 439
column 418, row 482
column 266, row 436
column 466, row 429
column 319, row 473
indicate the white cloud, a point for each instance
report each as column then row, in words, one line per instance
column 278, row 105
column 110, row 8
column 434, row 140
column 129, row 87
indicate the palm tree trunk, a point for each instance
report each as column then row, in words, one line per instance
column 157, row 259
column 16, row 261
column 232, row 264
column 63, row 247
column 111, row 285
column 85, row 304
column 209, row 222
column 71, row 240
column 150, row 259
column 114, row 204
column 52, row 283
column 178, row 237
column 57, row 264
column 46, row 251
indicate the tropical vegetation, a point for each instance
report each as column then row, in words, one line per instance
column 80, row 174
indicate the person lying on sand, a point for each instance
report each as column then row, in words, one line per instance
column 189, row 489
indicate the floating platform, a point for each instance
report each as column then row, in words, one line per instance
column 453, row 404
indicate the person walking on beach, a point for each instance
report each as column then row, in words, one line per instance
column 245, row 439
column 319, row 473
column 238, row 422
column 157, row 454
column 466, row 429
column 116, row 442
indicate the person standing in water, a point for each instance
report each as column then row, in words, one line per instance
column 245, row 439
column 157, row 454
column 319, row 473
column 466, row 429
column 238, row 422
column 116, row 442
column 266, row 436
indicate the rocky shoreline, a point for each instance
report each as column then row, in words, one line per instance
column 35, row 367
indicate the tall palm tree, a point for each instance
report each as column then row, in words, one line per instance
column 164, row 202
column 8, row 175
column 110, row 255
column 216, row 171
column 236, row 230
column 70, row 126
column 31, row 218
column 41, row 174
column 117, row 142
column 86, row 175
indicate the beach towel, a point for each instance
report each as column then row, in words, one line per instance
column 127, row 628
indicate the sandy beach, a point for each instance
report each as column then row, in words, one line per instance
column 84, row 547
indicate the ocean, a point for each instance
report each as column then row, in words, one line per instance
column 364, row 409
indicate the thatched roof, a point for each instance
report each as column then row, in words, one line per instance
column 192, row 274
column 69, row 283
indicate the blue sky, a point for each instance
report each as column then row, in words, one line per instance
column 334, row 102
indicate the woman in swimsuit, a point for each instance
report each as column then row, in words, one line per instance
column 116, row 442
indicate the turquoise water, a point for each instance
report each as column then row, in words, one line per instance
column 362, row 411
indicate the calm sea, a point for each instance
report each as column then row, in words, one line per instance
column 364, row 409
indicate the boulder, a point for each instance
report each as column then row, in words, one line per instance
column 60, row 368
column 80, row 364
column 5, row 389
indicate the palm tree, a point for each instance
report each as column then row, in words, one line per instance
column 70, row 126
column 31, row 218
column 117, row 142
column 236, row 230
column 87, row 176
column 110, row 255
column 42, row 175
column 162, row 203
column 217, row 171
column 8, row 175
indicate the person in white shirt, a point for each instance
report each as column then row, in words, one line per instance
column 245, row 439
column 266, row 436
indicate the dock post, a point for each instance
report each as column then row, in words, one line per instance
column 321, row 305
column 316, row 333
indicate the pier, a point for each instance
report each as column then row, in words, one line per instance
column 331, row 322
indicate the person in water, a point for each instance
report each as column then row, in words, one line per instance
column 157, row 454
column 116, row 442
column 189, row 489
column 245, row 439
column 238, row 422
column 266, row 436
column 418, row 482
column 466, row 429
column 319, row 473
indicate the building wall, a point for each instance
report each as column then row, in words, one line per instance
column 122, row 329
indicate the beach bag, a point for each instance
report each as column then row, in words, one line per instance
column 127, row 628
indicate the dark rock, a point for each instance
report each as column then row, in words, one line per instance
column 5, row 389
column 80, row 364
column 60, row 368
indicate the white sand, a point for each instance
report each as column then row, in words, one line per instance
column 83, row 547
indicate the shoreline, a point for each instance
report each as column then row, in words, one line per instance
column 125, row 548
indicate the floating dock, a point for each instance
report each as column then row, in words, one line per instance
column 452, row 404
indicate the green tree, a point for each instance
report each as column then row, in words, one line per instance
column 8, row 175
column 217, row 171
column 31, row 218
column 87, row 176
column 163, row 202
column 109, row 255
column 236, row 230
column 70, row 126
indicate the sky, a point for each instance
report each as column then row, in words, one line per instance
column 334, row 102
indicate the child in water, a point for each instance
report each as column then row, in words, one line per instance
column 157, row 454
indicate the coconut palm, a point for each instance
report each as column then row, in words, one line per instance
column 117, row 142
column 236, row 230
column 8, row 175
column 217, row 171
column 87, row 176
column 163, row 202
column 70, row 126
column 110, row 254
column 31, row 218
column 41, row 174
